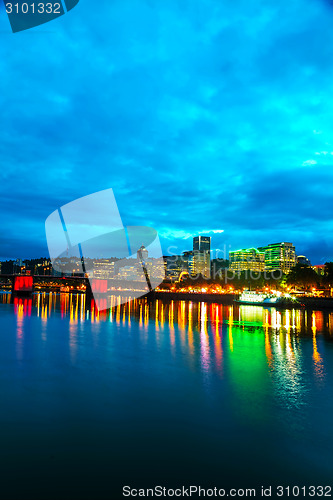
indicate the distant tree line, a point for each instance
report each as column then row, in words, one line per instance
column 303, row 277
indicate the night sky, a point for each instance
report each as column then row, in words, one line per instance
column 202, row 115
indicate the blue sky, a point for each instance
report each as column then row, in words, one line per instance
column 201, row 115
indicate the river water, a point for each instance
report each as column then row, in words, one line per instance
column 161, row 393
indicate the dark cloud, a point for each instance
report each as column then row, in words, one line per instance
column 200, row 115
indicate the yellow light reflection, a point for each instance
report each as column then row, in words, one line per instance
column 190, row 329
column 204, row 338
column 171, row 326
column 317, row 359
column 217, row 311
column 268, row 349
column 231, row 320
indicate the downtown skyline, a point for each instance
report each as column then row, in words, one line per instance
column 215, row 253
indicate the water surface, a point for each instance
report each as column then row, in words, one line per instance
column 166, row 393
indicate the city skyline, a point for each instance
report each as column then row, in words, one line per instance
column 241, row 140
column 272, row 256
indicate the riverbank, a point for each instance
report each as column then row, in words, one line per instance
column 304, row 302
column 317, row 302
column 220, row 298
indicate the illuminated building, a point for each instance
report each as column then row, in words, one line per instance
column 103, row 269
column 279, row 257
column 173, row 266
column 247, row 259
column 201, row 256
column 304, row 261
column 134, row 270
column 319, row 269
column 201, row 243
column 62, row 266
column 18, row 266
column 188, row 262
column 130, row 273
column 155, row 268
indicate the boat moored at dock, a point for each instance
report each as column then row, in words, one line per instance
column 267, row 299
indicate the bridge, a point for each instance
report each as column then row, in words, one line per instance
column 25, row 283
column 21, row 284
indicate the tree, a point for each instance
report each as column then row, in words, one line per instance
column 328, row 274
column 303, row 276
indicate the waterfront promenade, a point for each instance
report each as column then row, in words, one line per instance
column 25, row 284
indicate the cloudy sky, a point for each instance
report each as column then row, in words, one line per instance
column 202, row 115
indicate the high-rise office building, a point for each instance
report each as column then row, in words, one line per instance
column 303, row 260
column 173, row 266
column 156, row 268
column 279, row 256
column 103, row 269
column 188, row 262
column 201, row 256
column 201, row 243
column 247, row 259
